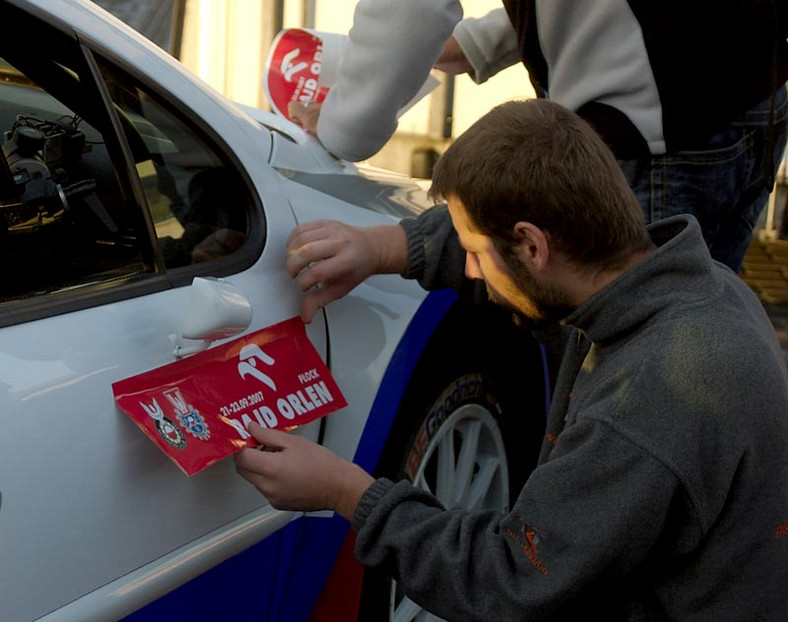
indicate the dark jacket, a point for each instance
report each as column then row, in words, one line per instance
column 662, row 488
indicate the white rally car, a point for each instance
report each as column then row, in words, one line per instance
column 122, row 179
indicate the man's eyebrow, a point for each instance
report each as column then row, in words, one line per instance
column 469, row 247
column 462, row 244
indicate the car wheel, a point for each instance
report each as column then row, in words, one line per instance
column 469, row 429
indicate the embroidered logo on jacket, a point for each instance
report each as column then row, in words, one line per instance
column 528, row 540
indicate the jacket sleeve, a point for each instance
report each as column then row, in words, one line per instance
column 391, row 48
column 573, row 533
column 489, row 43
column 435, row 257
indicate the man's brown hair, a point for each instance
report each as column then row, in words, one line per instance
column 536, row 161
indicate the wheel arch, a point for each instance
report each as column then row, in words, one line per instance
column 435, row 322
column 434, row 328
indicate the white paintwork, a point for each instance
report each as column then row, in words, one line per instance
column 123, row 597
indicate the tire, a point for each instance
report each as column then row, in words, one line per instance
column 469, row 428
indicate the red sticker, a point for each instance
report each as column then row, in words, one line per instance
column 197, row 409
column 293, row 70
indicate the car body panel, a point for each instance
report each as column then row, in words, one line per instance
column 309, row 546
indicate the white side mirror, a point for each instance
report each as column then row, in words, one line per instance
column 217, row 310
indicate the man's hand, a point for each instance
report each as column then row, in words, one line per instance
column 296, row 474
column 337, row 257
column 305, row 114
column 452, row 59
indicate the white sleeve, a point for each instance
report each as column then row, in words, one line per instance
column 489, row 43
column 391, row 48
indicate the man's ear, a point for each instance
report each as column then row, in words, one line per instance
column 533, row 247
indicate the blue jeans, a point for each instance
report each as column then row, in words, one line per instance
column 723, row 185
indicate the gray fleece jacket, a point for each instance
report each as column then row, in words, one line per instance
column 662, row 488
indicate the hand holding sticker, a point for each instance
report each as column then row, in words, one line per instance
column 197, row 410
column 301, row 68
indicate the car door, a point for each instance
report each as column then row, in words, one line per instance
column 114, row 195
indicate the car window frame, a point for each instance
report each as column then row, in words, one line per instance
column 246, row 256
column 251, row 250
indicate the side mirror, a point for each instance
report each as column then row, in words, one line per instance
column 217, row 310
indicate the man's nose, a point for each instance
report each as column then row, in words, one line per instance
column 472, row 267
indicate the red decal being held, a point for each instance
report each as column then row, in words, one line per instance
column 197, row 409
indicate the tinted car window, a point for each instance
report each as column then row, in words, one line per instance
column 198, row 202
column 103, row 181
column 65, row 221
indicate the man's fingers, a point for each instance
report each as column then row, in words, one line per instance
column 295, row 111
column 319, row 298
column 305, row 232
column 300, row 257
column 323, row 272
column 304, row 114
column 295, row 262
column 325, row 253
column 251, row 461
column 274, row 440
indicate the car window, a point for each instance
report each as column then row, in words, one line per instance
column 103, row 181
column 199, row 203
column 65, row 220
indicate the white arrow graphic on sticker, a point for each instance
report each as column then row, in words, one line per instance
column 250, row 355
column 288, row 68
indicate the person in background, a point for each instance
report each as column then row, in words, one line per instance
column 689, row 95
column 661, row 491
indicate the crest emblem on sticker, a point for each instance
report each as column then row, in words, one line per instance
column 188, row 416
column 195, row 425
column 166, row 428
column 170, row 433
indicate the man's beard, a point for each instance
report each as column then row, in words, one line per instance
column 548, row 304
